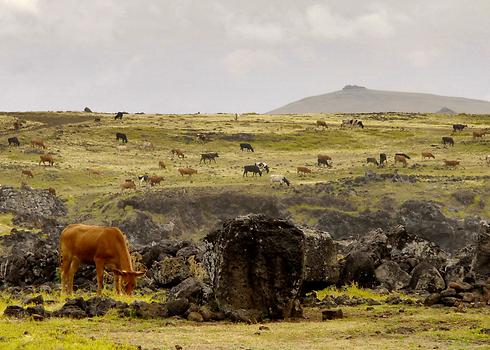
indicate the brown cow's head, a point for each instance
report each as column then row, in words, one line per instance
column 129, row 279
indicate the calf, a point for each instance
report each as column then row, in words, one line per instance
column 279, row 179
column 27, row 173
column 263, row 166
column 209, row 156
column 99, row 245
column 324, row 160
column 479, row 133
column 38, row 143
column 372, row 160
column 446, row 140
column 187, row 171
column 122, row 137
column 13, row 141
column 178, row 152
column 46, row 158
column 161, row 164
column 254, row 169
column 127, row 185
column 155, row 180
column 322, row 124
column 143, row 178
column 451, row 163
column 427, row 155
column 459, row 127
column 246, row 146
column 401, row 158
column 303, row 170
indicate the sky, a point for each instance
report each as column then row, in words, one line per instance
column 208, row 56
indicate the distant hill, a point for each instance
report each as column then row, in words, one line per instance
column 358, row 99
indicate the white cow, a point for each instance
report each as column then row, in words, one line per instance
column 280, row 179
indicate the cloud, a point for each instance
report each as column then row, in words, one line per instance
column 267, row 32
column 324, row 23
column 243, row 61
column 423, row 58
column 26, row 6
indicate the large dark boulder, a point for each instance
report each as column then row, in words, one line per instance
column 358, row 267
column 170, row 272
column 425, row 277
column 321, row 266
column 391, row 276
column 256, row 263
column 480, row 266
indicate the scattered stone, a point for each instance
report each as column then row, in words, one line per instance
column 432, row 299
column 145, row 310
column 195, row 317
column 177, row 307
column 332, row 314
column 37, row 300
column 391, row 276
column 425, row 277
column 87, row 110
column 264, row 328
column 450, row 292
column 170, row 272
column 15, row 311
column 460, row 286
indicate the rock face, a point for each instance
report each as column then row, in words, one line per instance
column 256, row 263
column 480, row 266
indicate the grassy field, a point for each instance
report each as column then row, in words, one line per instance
column 378, row 327
column 284, row 142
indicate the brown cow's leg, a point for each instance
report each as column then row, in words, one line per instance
column 117, row 283
column 75, row 263
column 99, row 267
column 65, row 272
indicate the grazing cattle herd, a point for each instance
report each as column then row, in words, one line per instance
column 258, row 168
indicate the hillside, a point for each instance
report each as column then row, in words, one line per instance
column 358, row 99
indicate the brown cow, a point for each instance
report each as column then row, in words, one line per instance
column 38, row 143
column 52, row 191
column 402, row 158
column 46, row 158
column 479, row 133
column 28, row 173
column 155, row 180
column 303, row 170
column 161, row 164
column 99, row 245
column 128, row 184
column 451, row 163
column 187, row 171
column 178, row 152
column 321, row 123
column 325, row 160
column 427, row 155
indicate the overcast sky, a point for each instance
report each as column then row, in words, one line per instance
column 178, row 56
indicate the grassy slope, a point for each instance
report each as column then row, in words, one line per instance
column 284, row 142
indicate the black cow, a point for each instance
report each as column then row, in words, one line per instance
column 459, row 127
column 446, row 140
column 382, row 159
column 246, row 146
column 118, row 115
column 121, row 136
column 254, row 169
column 209, row 156
column 13, row 141
column 372, row 160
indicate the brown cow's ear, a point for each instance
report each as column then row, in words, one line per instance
column 119, row 272
column 138, row 273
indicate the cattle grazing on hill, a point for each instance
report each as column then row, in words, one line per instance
column 451, row 163
column 263, row 166
column 13, row 141
column 99, row 245
column 122, row 137
column 143, row 178
column 459, row 127
column 202, row 138
column 254, row 169
column 187, row 171
column 27, row 173
column 38, row 143
column 118, row 115
column 372, row 160
column 246, row 146
column 382, row 159
column 211, row 156
column 128, row 184
column 155, row 180
column 303, row 170
column 321, row 124
column 352, row 123
column 446, row 140
column 178, row 152
column 324, row 160
column 161, row 164
column 281, row 179
column 401, row 158
column 427, row 155
column 479, row 133
column 46, row 158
